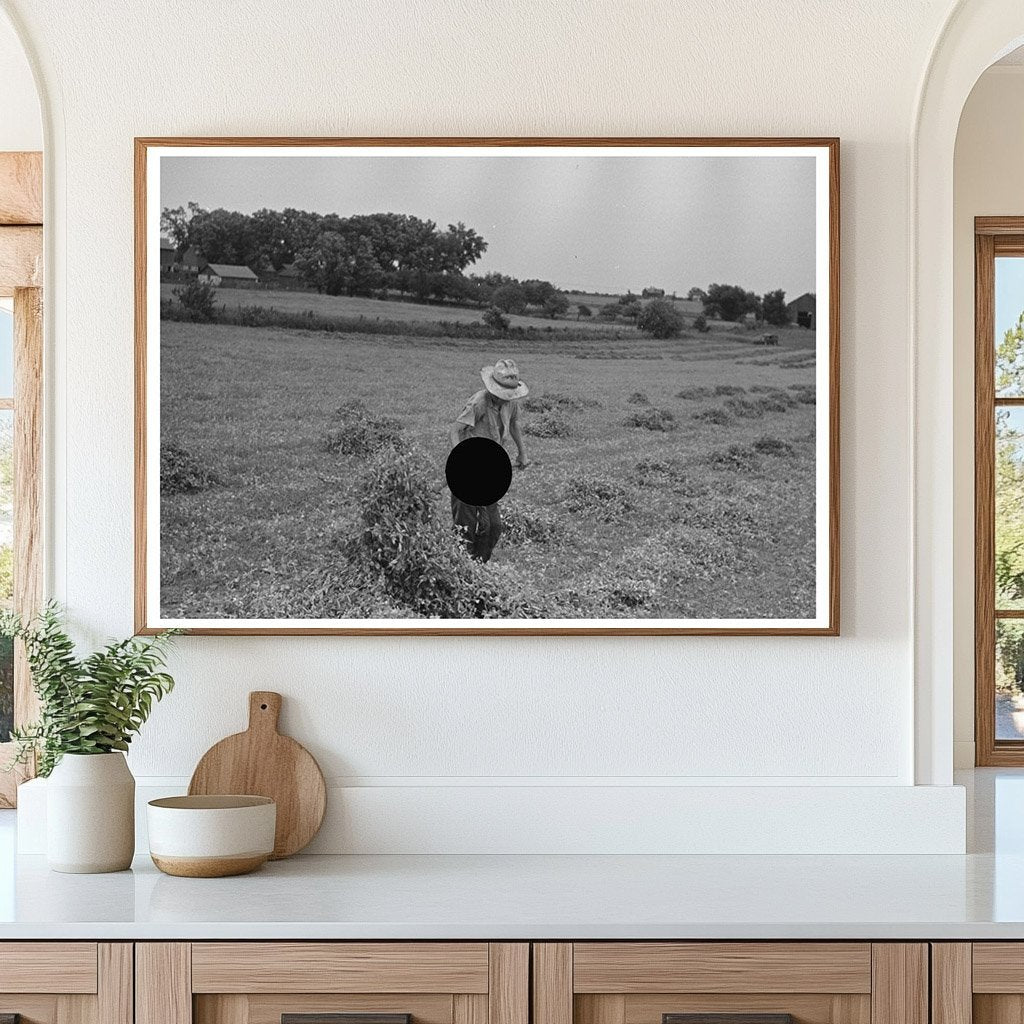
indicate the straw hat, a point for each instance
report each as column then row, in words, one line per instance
column 502, row 380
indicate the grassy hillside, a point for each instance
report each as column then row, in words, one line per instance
column 400, row 310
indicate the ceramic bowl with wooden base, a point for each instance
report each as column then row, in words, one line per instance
column 211, row 836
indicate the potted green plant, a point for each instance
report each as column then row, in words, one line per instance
column 90, row 708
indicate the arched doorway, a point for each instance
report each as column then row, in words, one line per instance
column 975, row 35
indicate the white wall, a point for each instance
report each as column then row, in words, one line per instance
column 987, row 181
column 438, row 714
column 21, row 126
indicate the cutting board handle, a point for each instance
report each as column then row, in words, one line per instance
column 264, row 710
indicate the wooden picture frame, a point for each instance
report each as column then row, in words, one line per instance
column 825, row 619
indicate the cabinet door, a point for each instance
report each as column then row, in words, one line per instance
column 332, row 983
column 66, row 983
column 730, row 983
column 980, row 982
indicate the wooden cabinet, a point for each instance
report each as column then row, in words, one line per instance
column 264, row 982
column 757, row 982
column 66, row 982
column 978, row 983
column 494, row 983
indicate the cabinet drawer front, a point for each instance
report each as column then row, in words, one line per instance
column 998, row 967
column 269, row 1009
column 58, row 967
column 339, row 967
column 636, row 967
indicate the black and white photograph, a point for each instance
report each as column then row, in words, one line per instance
column 489, row 387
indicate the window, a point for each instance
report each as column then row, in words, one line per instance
column 6, row 510
column 999, row 490
column 20, row 504
column 21, row 319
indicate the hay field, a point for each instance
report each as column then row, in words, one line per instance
column 712, row 518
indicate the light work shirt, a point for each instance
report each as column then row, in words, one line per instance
column 487, row 416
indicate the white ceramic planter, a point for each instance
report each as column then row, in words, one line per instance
column 90, row 814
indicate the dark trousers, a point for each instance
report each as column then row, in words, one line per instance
column 480, row 526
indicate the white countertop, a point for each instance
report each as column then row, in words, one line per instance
column 977, row 896
column 496, row 897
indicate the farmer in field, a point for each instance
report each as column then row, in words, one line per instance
column 492, row 412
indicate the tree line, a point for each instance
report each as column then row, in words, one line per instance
column 358, row 255
column 365, row 254
column 379, row 254
column 731, row 302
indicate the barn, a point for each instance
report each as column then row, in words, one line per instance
column 167, row 251
column 228, row 275
column 288, row 277
column 191, row 261
column 802, row 310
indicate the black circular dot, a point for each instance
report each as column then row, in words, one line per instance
column 478, row 471
column 263, row 707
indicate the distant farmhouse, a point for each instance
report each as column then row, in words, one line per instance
column 191, row 261
column 191, row 264
column 167, row 257
column 227, row 275
column 287, row 277
column 802, row 310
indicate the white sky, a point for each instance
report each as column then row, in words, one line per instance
column 599, row 223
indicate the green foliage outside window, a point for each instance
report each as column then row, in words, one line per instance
column 1009, row 510
column 1010, row 361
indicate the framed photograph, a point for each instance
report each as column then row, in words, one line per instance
column 497, row 386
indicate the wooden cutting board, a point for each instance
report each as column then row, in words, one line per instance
column 262, row 762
